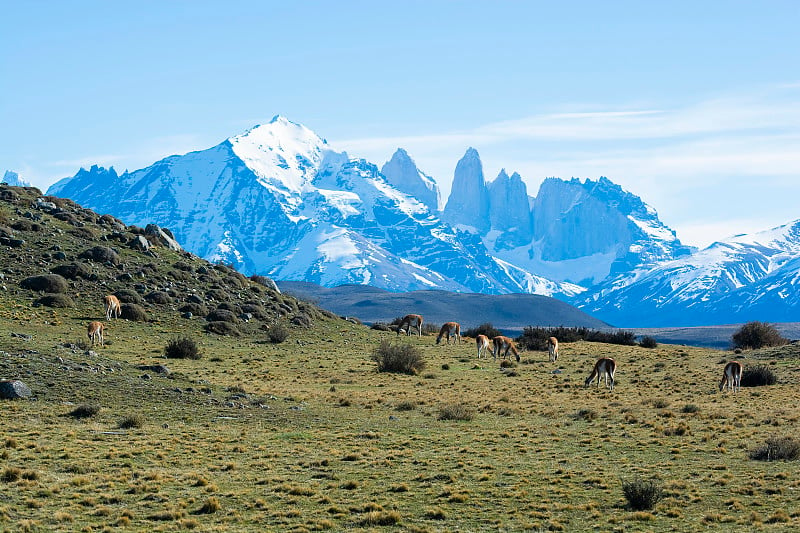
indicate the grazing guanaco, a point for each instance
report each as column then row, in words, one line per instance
column 504, row 344
column 732, row 376
column 113, row 307
column 552, row 349
column 410, row 321
column 604, row 367
column 482, row 342
column 95, row 333
column 448, row 329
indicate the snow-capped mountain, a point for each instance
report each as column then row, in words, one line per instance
column 12, row 178
column 277, row 200
column 743, row 278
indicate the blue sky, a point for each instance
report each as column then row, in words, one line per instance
column 694, row 106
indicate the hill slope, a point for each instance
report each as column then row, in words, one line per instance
column 506, row 311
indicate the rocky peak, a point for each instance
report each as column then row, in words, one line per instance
column 402, row 173
column 468, row 204
column 510, row 211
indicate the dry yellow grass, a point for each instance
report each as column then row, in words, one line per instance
column 306, row 435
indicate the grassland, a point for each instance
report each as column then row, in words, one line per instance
column 305, row 435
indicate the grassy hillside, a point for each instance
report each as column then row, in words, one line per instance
column 305, row 435
column 509, row 311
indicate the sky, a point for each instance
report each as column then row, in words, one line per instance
column 693, row 106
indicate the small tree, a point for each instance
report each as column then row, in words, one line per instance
column 484, row 329
column 754, row 335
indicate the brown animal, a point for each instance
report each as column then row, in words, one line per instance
column 504, row 344
column 448, row 329
column 482, row 341
column 95, row 333
column 605, row 367
column 552, row 349
column 113, row 307
column 410, row 321
column 732, row 376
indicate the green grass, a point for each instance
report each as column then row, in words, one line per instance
column 307, row 435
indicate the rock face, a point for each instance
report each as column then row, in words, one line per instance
column 468, row 204
column 402, row 173
column 510, row 211
column 13, row 389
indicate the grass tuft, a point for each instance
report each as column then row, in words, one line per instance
column 401, row 358
column 777, row 449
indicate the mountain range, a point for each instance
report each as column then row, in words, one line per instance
column 278, row 200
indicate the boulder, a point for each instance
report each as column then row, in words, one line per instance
column 163, row 236
column 12, row 389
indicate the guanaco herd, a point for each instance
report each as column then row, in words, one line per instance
column 604, row 368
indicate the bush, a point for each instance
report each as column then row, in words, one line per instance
column 536, row 338
column 648, row 342
column 430, row 329
column 72, row 270
column 484, row 329
column 777, row 449
column 52, row 283
column 56, row 300
column 131, row 421
column 222, row 315
column 278, row 333
column 195, row 309
column 257, row 310
column 85, row 411
column 127, row 296
column 222, row 328
column 754, row 335
column 758, row 376
column 133, row 312
column 158, row 297
column 642, row 495
column 101, row 254
column 456, row 411
column 182, row 348
column 398, row 358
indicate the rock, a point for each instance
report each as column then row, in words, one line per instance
column 164, row 237
column 158, row 369
column 140, row 243
column 12, row 389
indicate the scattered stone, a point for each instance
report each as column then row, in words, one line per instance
column 12, row 389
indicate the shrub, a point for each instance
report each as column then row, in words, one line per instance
column 72, row 270
column 195, row 309
column 757, row 376
column 777, row 449
column 158, row 297
column 456, row 411
column 101, row 254
column 222, row 328
column 127, row 296
column 690, row 408
column 754, row 335
column 484, row 329
column 585, row 414
column 648, row 342
column 233, row 308
column 182, row 348
column 430, row 329
column 52, row 283
column 257, row 310
column 85, row 411
column 221, row 315
column 133, row 312
column 56, row 300
column 536, row 338
column 642, row 495
column 401, row 358
column 278, row 333
column 131, row 421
